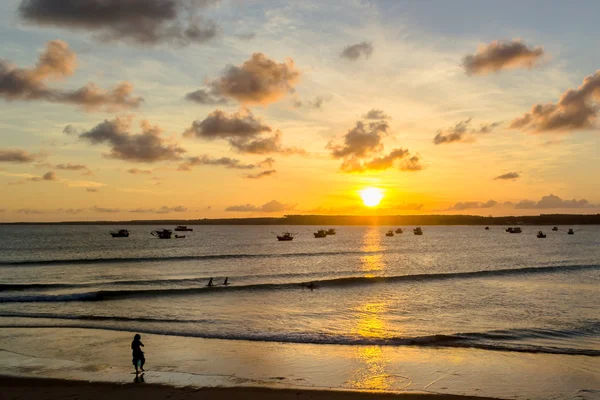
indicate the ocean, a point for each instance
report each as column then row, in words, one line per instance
column 454, row 287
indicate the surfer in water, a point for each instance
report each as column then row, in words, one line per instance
column 138, row 355
column 210, row 283
column 225, row 282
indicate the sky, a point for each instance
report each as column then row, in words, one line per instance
column 185, row 109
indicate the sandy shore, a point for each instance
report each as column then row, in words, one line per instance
column 34, row 388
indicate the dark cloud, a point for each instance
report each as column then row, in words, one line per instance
column 262, row 174
column 508, row 176
column 161, row 210
column 501, row 55
column 576, row 109
column 259, row 80
column 271, row 206
column 467, row 205
column 462, row 132
column 552, row 201
column 58, row 61
column 363, row 150
column 356, row 51
column 17, row 156
column 316, row 103
column 74, row 167
column 242, row 130
column 376, row 114
column 29, row 211
column 92, row 190
column 267, row 163
column 48, row 176
column 135, row 21
column 105, row 210
column 202, row 96
column 147, row 146
column 227, row 162
column 136, row 171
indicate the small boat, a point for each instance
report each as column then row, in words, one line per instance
column 555, row 228
column 541, row 235
column 183, row 228
column 120, row 233
column 390, row 233
column 510, row 230
column 517, row 230
column 399, row 230
column 418, row 231
column 162, row 233
column 571, row 232
column 321, row 233
column 487, row 228
column 285, row 237
column 179, row 236
column 331, row 231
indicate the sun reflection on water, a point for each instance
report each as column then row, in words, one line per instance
column 371, row 263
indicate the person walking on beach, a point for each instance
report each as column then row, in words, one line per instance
column 138, row 355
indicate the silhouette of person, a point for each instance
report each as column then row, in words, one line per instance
column 210, row 283
column 225, row 281
column 138, row 354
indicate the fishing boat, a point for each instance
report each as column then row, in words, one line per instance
column 418, row 231
column 510, row 230
column 179, row 236
column 120, row 233
column 162, row 233
column 399, row 230
column 571, row 232
column 541, row 235
column 390, row 233
column 321, row 233
column 285, row 237
column 517, row 230
column 183, row 228
column 555, row 228
column 331, row 231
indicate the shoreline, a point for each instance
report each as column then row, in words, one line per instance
column 22, row 387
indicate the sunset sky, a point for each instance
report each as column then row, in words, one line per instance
column 147, row 109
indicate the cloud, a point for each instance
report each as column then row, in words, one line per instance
column 262, row 174
column 48, row 176
column 136, row 171
column 376, row 114
column 552, row 201
column 356, row 51
column 92, row 190
column 71, row 210
column 362, row 149
column 576, row 109
column 266, row 163
column 242, row 130
column 74, row 167
column 259, row 80
column 271, row 206
column 227, row 162
column 147, row 146
column 508, row 176
column 316, row 103
column 136, row 21
column 467, row 205
column 501, row 55
column 58, row 61
column 29, row 211
column 105, row 210
column 161, row 210
column 17, row 156
column 462, row 132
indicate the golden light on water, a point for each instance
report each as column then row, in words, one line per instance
column 371, row 196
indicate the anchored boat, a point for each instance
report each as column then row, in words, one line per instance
column 120, row 233
column 399, row 230
column 390, row 233
column 541, row 235
column 162, row 233
column 285, row 237
column 331, row 231
column 183, row 228
column 321, row 233
column 418, row 231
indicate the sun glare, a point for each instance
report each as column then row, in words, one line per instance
column 371, row 196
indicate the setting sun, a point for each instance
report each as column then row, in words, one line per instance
column 371, row 197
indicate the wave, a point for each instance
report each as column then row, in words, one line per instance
column 476, row 340
column 100, row 295
column 80, row 261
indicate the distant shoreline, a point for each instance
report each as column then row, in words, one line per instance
column 349, row 220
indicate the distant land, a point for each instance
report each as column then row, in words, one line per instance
column 329, row 220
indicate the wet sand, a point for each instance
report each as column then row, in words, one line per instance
column 34, row 388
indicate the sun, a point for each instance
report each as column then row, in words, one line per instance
column 371, row 196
